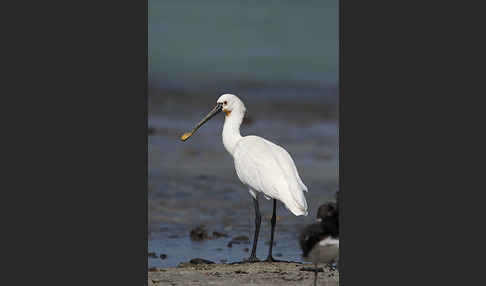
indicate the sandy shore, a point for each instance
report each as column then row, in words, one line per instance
column 262, row 273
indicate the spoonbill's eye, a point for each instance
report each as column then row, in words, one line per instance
column 225, row 102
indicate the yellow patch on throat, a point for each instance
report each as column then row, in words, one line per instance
column 227, row 112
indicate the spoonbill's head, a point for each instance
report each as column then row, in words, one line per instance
column 229, row 104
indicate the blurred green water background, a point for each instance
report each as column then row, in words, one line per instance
column 210, row 44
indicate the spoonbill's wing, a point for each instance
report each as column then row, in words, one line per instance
column 268, row 168
column 286, row 162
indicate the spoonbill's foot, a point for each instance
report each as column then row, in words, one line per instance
column 271, row 259
column 252, row 259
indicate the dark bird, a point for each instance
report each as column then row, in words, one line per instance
column 320, row 241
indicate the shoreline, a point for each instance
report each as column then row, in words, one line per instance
column 240, row 273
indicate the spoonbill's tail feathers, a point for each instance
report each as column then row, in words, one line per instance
column 297, row 208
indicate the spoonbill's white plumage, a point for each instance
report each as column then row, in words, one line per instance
column 261, row 165
column 268, row 168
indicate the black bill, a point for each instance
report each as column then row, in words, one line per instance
column 217, row 109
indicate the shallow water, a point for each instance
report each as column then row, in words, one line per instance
column 183, row 249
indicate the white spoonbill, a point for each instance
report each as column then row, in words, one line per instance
column 261, row 165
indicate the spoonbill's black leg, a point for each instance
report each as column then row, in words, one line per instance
column 273, row 222
column 315, row 275
column 258, row 221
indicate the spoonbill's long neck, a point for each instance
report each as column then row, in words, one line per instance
column 231, row 129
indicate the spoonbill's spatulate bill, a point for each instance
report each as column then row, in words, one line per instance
column 261, row 165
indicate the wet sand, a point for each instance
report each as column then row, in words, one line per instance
column 261, row 273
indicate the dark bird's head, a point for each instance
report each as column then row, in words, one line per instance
column 327, row 211
column 328, row 216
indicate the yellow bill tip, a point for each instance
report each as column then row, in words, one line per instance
column 185, row 136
